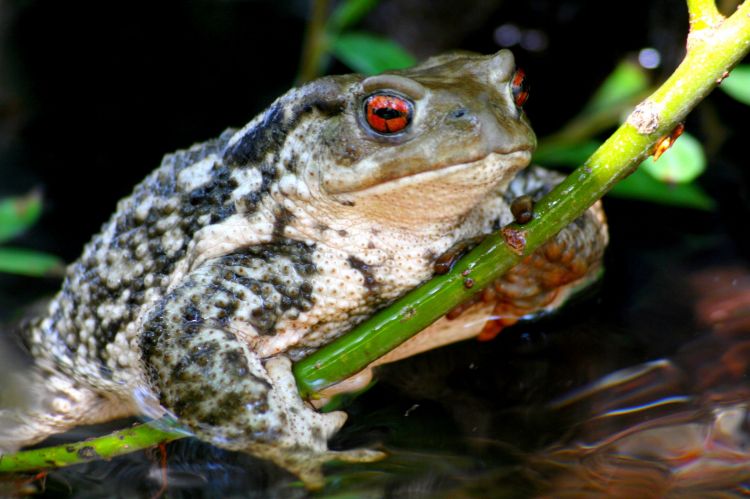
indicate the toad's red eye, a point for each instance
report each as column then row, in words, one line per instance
column 388, row 113
column 519, row 87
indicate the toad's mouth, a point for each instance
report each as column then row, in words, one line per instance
column 369, row 178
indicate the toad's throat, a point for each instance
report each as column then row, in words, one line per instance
column 505, row 163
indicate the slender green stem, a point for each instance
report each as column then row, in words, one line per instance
column 709, row 58
column 115, row 444
column 314, row 47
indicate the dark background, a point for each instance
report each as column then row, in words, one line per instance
column 92, row 94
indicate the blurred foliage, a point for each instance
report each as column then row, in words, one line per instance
column 681, row 164
column 17, row 214
column 627, row 81
column 369, row 54
column 641, row 185
column 364, row 52
column 349, row 13
column 569, row 153
column 738, row 83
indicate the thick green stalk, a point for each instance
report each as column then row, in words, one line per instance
column 713, row 50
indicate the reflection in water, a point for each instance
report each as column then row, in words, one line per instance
column 674, row 427
column 695, row 446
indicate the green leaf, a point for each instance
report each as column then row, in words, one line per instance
column 565, row 154
column 370, row 54
column 737, row 84
column 641, row 185
column 349, row 13
column 18, row 214
column 626, row 81
column 31, row 263
column 682, row 163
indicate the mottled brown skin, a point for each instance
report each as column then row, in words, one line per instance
column 249, row 251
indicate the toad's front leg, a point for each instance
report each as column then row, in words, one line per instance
column 204, row 370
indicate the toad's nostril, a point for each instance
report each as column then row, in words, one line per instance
column 459, row 113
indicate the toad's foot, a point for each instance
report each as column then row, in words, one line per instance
column 304, row 462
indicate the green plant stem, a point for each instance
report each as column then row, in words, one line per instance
column 115, row 444
column 314, row 47
column 709, row 57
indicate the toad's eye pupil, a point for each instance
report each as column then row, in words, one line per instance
column 520, row 88
column 388, row 113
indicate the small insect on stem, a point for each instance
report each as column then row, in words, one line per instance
column 664, row 143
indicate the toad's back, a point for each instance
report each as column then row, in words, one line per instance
column 128, row 266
